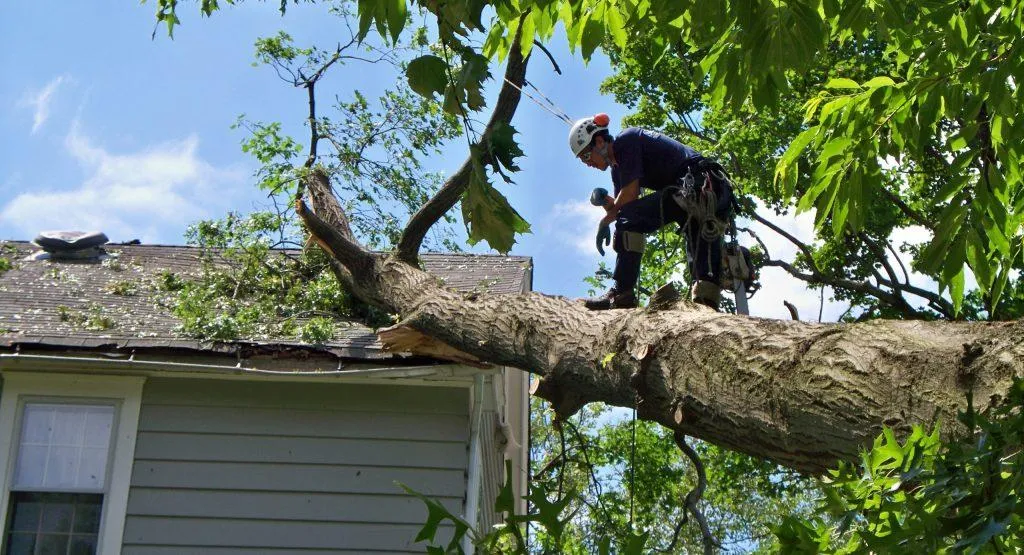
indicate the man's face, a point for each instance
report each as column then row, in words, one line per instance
column 592, row 155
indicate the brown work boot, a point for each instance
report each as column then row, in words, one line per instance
column 611, row 299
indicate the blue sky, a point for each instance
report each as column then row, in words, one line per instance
column 105, row 128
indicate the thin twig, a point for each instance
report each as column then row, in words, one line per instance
column 906, row 275
column 538, row 44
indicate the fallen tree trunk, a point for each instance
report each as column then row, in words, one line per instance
column 801, row 394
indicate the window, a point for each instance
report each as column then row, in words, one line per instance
column 69, row 444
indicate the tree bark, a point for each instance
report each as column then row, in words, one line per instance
column 801, row 394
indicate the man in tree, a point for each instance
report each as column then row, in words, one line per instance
column 689, row 190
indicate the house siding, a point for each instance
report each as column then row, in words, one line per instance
column 272, row 468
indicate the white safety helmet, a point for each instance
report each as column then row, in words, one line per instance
column 583, row 132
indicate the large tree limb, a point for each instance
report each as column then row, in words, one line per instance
column 801, row 394
column 450, row 193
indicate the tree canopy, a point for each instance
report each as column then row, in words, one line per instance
column 930, row 114
column 877, row 116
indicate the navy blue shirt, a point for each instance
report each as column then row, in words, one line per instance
column 656, row 160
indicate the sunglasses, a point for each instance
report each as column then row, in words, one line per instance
column 585, row 155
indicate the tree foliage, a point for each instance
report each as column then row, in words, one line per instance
column 922, row 495
column 947, row 91
column 875, row 116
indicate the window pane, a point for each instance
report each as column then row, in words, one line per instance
column 31, row 469
column 64, row 446
column 56, row 523
column 52, row 543
column 21, row 544
column 57, row 517
column 97, row 430
column 69, row 425
column 61, row 467
column 87, row 519
column 36, row 429
column 92, row 468
column 26, row 516
column 82, row 545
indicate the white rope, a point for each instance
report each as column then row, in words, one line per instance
column 550, row 107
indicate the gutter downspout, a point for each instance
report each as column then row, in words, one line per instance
column 473, row 479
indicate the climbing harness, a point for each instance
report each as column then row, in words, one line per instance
column 701, row 203
column 700, row 199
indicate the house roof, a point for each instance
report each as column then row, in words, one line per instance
column 37, row 297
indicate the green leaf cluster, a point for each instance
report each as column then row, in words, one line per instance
column 247, row 288
column 923, row 495
column 7, row 253
column 548, row 520
column 487, row 213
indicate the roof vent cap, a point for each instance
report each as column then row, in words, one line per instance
column 72, row 245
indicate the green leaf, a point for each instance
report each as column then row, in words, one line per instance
column 834, row 147
column 367, row 9
column 436, row 513
column 833, row 106
column 880, row 81
column 593, row 32
column 841, row 83
column 397, row 13
column 527, row 34
column 503, row 146
column 506, row 500
column 811, row 107
column 427, row 75
column 487, row 213
column 616, row 26
column 787, row 168
column 635, row 544
column 956, row 290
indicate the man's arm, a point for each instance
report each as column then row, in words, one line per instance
column 626, row 195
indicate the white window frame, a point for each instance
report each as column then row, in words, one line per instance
column 124, row 392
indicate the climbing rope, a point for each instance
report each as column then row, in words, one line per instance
column 550, row 106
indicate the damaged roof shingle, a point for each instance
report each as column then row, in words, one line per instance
column 37, row 296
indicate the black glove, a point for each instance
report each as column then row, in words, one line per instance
column 598, row 195
column 604, row 233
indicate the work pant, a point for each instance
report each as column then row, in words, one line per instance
column 649, row 214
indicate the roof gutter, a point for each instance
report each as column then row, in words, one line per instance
column 131, row 362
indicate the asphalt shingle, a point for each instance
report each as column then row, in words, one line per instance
column 42, row 302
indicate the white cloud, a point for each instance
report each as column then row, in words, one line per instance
column 777, row 285
column 151, row 194
column 40, row 101
column 574, row 224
